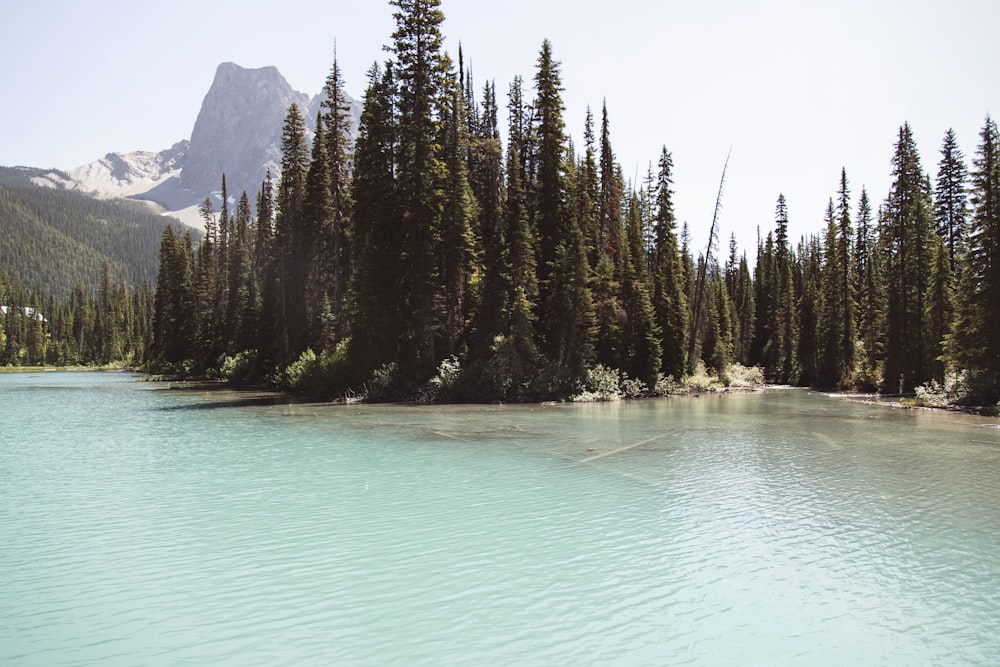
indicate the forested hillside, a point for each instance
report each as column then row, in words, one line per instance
column 54, row 240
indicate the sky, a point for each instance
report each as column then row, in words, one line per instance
column 793, row 91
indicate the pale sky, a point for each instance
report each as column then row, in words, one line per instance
column 796, row 89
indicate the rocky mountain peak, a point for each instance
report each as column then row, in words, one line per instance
column 238, row 130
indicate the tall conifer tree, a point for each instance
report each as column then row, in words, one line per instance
column 906, row 235
column 951, row 199
column 974, row 344
column 669, row 297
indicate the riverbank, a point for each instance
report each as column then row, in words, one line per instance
column 912, row 403
column 71, row 369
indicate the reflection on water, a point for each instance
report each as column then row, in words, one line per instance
column 778, row 528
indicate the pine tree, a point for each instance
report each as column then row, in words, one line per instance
column 563, row 269
column 588, row 192
column 207, row 324
column 831, row 323
column 906, row 235
column 317, row 229
column 974, row 344
column 291, row 239
column 550, row 182
column 173, row 306
column 517, row 348
column 808, row 281
column 457, row 246
column 240, row 314
column 376, row 320
column 846, row 295
column 421, row 175
column 337, row 253
column 486, row 178
column 264, row 291
column 939, row 305
column 950, row 199
column 641, row 335
column 775, row 339
column 609, row 280
column 669, row 295
column 869, row 288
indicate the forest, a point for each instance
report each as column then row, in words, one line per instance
column 54, row 240
column 76, row 275
column 432, row 258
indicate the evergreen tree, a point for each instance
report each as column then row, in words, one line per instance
column 486, row 178
column 939, row 305
column 292, row 242
column 869, row 288
column 550, row 183
column 173, row 307
column 517, row 347
column 974, row 344
column 318, row 233
column 207, row 325
column 775, row 299
column 669, row 294
column 831, row 324
column 588, row 192
column 563, row 269
column 240, row 309
column 641, row 336
column 845, row 263
column 376, row 321
column 264, row 291
column 421, row 72
column 609, row 280
column 808, row 280
column 337, row 253
column 950, row 199
column 457, row 247
column 906, row 235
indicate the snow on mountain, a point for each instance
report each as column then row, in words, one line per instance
column 237, row 133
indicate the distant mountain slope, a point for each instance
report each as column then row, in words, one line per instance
column 52, row 240
column 237, row 133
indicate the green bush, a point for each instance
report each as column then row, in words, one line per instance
column 241, row 368
column 383, row 383
column 702, row 380
column 299, row 376
column 324, row 376
column 668, row 386
column 740, row 376
column 601, row 384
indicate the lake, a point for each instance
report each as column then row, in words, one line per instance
column 143, row 525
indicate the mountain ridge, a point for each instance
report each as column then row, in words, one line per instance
column 237, row 133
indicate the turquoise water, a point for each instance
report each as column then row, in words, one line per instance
column 140, row 525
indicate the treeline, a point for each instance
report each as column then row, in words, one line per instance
column 432, row 253
column 54, row 240
column 108, row 327
column 895, row 299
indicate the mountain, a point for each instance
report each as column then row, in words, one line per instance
column 237, row 133
column 52, row 240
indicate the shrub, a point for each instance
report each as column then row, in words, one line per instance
column 553, row 381
column 740, row 376
column 633, row 387
column 702, row 380
column 299, row 376
column 668, row 386
column 241, row 368
column 323, row 376
column 446, row 384
column 382, row 384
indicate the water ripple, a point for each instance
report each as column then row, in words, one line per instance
column 779, row 528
